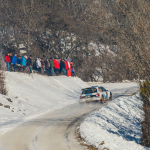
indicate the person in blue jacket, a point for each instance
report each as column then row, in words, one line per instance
column 23, row 63
column 14, row 61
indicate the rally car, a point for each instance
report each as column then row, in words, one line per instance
column 95, row 93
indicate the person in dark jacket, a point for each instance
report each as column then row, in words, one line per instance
column 62, row 66
column 48, row 67
column 14, row 61
column 43, row 65
column 72, row 70
column 19, row 60
column 29, row 63
column 19, row 63
column 34, row 67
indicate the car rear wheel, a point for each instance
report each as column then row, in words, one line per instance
column 103, row 99
column 110, row 98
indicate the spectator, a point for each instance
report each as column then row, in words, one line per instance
column 7, row 60
column 14, row 61
column 62, row 66
column 69, row 68
column 72, row 70
column 56, row 66
column 19, row 63
column 52, row 66
column 42, row 67
column 10, row 55
column 48, row 67
column 38, row 64
column 29, row 63
column 23, row 63
column 60, row 69
column 66, row 67
column 34, row 67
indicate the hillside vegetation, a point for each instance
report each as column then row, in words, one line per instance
column 65, row 28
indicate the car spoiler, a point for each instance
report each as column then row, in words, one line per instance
column 89, row 88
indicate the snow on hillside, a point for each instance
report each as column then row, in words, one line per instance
column 31, row 95
column 115, row 126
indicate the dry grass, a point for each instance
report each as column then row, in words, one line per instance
column 82, row 142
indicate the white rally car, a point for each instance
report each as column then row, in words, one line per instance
column 95, row 93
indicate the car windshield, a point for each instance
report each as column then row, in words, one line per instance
column 89, row 90
column 102, row 89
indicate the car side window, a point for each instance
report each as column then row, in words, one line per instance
column 99, row 90
column 104, row 89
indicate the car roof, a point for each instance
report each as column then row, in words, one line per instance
column 90, row 87
column 95, row 86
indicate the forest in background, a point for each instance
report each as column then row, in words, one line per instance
column 65, row 28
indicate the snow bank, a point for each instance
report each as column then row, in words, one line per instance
column 116, row 126
column 31, row 95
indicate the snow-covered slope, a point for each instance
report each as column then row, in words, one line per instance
column 30, row 95
column 116, row 126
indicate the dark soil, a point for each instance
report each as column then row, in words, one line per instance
column 81, row 141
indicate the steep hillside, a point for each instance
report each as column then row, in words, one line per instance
column 31, row 95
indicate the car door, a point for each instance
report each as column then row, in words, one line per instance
column 105, row 93
column 102, row 91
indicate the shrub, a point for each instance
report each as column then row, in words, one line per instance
column 3, row 89
column 145, row 92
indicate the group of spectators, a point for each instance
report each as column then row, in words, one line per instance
column 49, row 66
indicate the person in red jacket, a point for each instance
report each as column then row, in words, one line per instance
column 69, row 67
column 66, row 68
column 56, row 66
column 7, row 60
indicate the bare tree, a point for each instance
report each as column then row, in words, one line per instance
column 3, row 89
